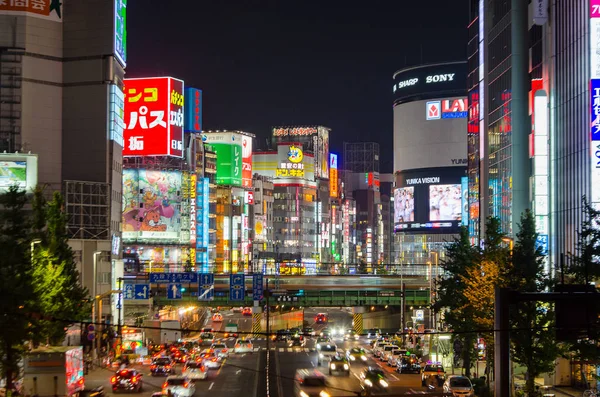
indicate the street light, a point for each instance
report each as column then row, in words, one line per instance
column 96, row 253
column 33, row 243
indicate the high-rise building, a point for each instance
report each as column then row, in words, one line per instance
column 263, row 257
column 361, row 156
column 61, row 90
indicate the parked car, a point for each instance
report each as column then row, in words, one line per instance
column 408, row 365
column 459, row 386
column 434, row 374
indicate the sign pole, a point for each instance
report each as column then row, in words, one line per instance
column 267, row 294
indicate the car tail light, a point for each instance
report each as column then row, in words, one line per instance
column 214, row 359
column 249, row 346
column 134, row 379
column 165, row 385
column 113, row 379
column 153, row 367
column 167, row 367
column 237, row 345
column 224, row 350
column 186, row 385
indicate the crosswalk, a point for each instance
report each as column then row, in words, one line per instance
column 286, row 349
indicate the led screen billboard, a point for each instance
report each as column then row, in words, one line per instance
column 228, row 147
column 121, row 31
column 151, row 202
column 246, row 161
column 333, row 175
column 429, row 200
column 19, row 170
column 445, row 202
column 153, row 117
column 430, row 81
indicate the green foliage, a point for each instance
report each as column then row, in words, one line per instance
column 15, row 281
column 532, row 345
column 583, row 266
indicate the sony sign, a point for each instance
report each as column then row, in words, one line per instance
column 439, row 78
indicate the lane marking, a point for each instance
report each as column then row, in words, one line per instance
column 221, row 367
column 211, row 385
column 238, row 371
column 394, row 376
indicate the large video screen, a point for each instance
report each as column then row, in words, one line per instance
column 404, row 205
column 445, row 202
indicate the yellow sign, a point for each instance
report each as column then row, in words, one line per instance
column 295, row 154
column 258, row 228
column 284, row 173
column 333, row 182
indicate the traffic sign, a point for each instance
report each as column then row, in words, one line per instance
column 257, row 286
column 170, row 278
column 174, row 291
column 237, row 288
column 142, row 291
column 129, row 291
column 206, row 287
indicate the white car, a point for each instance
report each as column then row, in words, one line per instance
column 179, row 386
column 210, row 359
column 378, row 348
column 243, row 346
column 387, row 352
column 220, row 349
column 459, row 386
column 394, row 356
column 194, row 370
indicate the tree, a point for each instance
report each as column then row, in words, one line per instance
column 55, row 274
column 458, row 313
column 532, row 345
column 583, row 265
column 15, row 281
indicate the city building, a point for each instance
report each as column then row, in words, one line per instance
column 61, row 83
column 263, row 249
column 430, row 157
column 361, row 156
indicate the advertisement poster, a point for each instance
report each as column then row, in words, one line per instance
column 445, row 202
column 246, row 161
column 404, row 205
column 151, row 201
column 163, row 258
column 260, row 228
column 228, row 147
column 51, row 10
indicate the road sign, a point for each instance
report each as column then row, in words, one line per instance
column 174, row 291
column 142, row 291
column 171, row 278
column 129, row 291
column 257, row 287
column 206, row 287
column 237, row 288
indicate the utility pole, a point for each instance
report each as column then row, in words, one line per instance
column 267, row 296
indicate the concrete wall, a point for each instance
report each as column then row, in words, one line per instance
column 283, row 321
column 381, row 320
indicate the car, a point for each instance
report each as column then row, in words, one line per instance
column 322, row 341
column 206, row 339
column 459, row 386
column 247, row 311
column 309, row 383
column 297, row 340
column 339, row 364
column 180, row 356
column 378, row 348
column 308, row 331
column 326, row 333
column 282, row 335
column 243, row 345
column 374, row 379
column 162, row 366
column 351, row 334
column 433, row 374
column 394, row 355
column 373, row 342
column 408, row 365
column 179, row 386
column 237, row 309
column 373, row 333
column 231, row 330
column 220, row 349
column 194, row 370
column 210, row 359
column 326, row 352
column 217, row 317
column 387, row 352
column 357, row 354
column 95, row 392
column 321, row 318
column 127, row 380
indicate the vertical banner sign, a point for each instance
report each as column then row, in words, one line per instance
column 205, row 213
column 333, row 175
column 257, row 287
column 246, row 161
column 464, row 202
column 193, row 110
column 193, row 194
column 120, row 31
column 176, row 89
column 595, row 100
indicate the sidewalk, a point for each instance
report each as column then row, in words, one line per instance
column 559, row 391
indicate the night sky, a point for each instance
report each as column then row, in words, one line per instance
column 286, row 62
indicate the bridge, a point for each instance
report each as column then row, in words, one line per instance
column 325, row 290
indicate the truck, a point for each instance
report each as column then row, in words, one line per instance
column 54, row 371
column 170, row 331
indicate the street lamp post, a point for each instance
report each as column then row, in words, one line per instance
column 96, row 253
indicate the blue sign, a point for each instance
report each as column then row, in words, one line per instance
column 193, row 110
column 174, row 291
column 595, row 109
column 257, row 287
column 202, row 212
column 141, row 291
column 129, row 291
column 542, row 242
column 206, row 287
column 165, row 278
column 464, row 190
column 237, row 287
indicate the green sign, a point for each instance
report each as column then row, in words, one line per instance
column 229, row 163
column 121, row 31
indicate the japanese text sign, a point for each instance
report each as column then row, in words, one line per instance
column 154, row 117
column 46, row 9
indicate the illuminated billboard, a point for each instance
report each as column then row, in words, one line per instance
column 446, row 109
column 595, row 101
column 429, row 199
column 260, row 228
column 202, row 193
column 228, row 147
column 293, row 165
column 19, row 170
column 116, row 114
column 321, row 145
column 151, row 203
column 333, row 175
column 193, row 110
column 120, row 31
column 246, row 161
column 164, row 258
column 153, row 117
column 428, row 81
column 445, row 202
column 51, row 10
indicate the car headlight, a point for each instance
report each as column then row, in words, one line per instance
column 345, row 366
column 318, row 346
column 323, row 393
column 368, row 382
column 321, row 355
column 364, row 358
column 303, row 394
column 352, row 358
column 383, row 383
column 332, row 366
